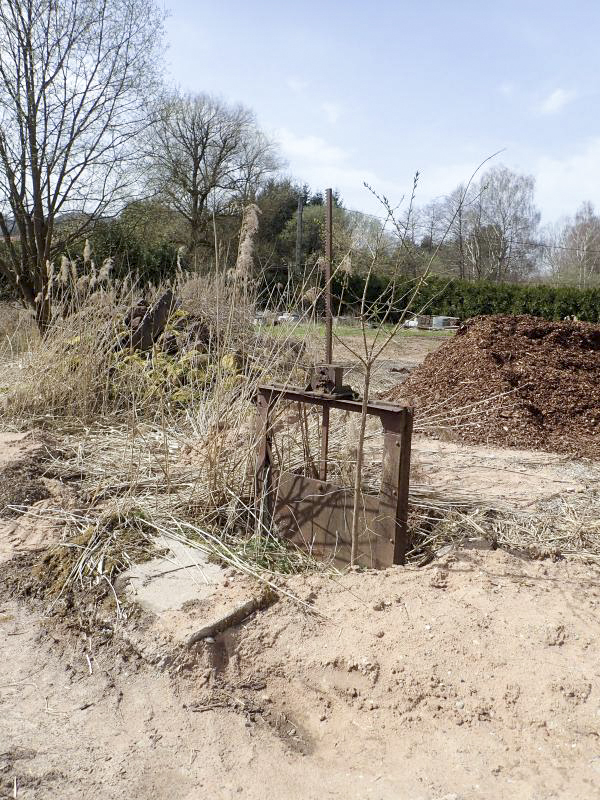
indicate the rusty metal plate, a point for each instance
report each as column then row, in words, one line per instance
column 317, row 515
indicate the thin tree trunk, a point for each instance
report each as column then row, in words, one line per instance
column 359, row 461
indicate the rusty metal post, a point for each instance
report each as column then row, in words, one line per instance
column 299, row 233
column 264, row 461
column 328, row 264
column 393, row 495
column 328, row 325
column 401, row 540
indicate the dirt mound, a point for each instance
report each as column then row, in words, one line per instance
column 20, row 485
column 516, row 382
column 476, row 677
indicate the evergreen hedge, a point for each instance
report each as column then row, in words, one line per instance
column 464, row 299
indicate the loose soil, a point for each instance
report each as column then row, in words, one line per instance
column 20, row 482
column 475, row 677
column 27, row 495
column 517, row 479
column 403, row 354
column 514, row 382
column 408, row 347
column 20, row 485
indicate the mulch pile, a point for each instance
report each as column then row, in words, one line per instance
column 536, row 385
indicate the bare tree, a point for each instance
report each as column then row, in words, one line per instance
column 74, row 82
column 501, row 222
column 492, row 227
column 454, row 220
column 205, row 154
column 573, row 249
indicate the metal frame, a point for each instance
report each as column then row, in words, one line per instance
column 387, row 514
column 315, row 508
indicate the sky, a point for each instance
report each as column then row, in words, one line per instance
column 376, row 90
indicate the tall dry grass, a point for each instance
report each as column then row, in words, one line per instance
column 169, row 439
column 172, row 442
column 18, row 333
column 76, row 373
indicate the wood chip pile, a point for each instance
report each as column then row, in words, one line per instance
column 515, row 381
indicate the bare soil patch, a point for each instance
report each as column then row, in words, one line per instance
column 475, row 677
column 407, row 347
column 518, row 479
column 21, row 485
column 27, row 495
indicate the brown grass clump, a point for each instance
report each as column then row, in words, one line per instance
column 169, row 430
column 17, row 330
column 83, row 369
column 93, row 552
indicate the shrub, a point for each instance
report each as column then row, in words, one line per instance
column 466, row 299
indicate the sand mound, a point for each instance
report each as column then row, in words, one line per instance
column 515, row 382
column 475, row 678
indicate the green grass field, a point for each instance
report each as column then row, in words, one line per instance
column 342, row 331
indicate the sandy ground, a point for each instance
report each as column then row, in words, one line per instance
column 475, row 677
column 407, row 348
column 20, row 486
column 14, row 446
column 403, row 354
column 519, row 479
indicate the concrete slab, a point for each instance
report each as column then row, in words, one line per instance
column 166, row 583
column 179, row 592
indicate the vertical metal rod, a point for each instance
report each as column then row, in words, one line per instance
column 264, row 462
column 401, row 537
column 328, row 326
column 324, row 443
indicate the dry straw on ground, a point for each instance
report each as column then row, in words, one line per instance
column 185, row 469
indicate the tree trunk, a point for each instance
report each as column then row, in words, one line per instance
column 359, row 461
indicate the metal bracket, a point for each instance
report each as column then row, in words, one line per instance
column 327, row 379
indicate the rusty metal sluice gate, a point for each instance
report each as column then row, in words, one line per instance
column 317, row 514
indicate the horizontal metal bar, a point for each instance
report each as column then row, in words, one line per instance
column 274, row 391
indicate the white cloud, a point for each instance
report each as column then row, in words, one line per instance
column 297, row 85
column 506, row 89
column 562, row 184
column 312, row 149
column 332, row 111
column 321, row 164
column 438, row 180
column 556, row 101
